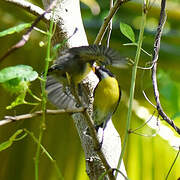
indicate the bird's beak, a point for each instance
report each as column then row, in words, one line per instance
column 95, row 67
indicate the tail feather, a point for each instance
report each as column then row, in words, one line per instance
column 61, row 96
column 58, row 95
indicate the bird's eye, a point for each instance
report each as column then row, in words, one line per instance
column 78, row 105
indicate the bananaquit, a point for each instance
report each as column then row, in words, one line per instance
column 72, row 67
column 76, row 62
column 107, row 96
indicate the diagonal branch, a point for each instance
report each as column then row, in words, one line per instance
column 154, row 68
column 9, row 119
column 26, row 36
column 31, row 8
column 107, row 20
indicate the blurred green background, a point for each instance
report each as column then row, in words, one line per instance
column 147, row 158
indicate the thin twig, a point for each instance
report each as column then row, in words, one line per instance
column 173, row 164
column 9, row 119
column 109, row 26
column 26, row 36
column 141, row 126
column 126, row 178
column 104, row 26
column 139, row 67
column 146, row 135
column 31, row 8
column 47, row 153
column 162, row 21
column 135, row 44
column 43, row 87
column 148, row 99
column 133, row 82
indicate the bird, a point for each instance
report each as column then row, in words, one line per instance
column 72, row 67
column 75, row 63
column 107, row 95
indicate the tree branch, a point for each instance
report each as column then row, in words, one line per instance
column 31, row 8
column 159, row 108
column 93, row 134
column 9, row 119
column 107, row 20
column 26, row 36
column 97, row 145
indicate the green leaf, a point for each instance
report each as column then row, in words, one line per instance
column 15, row 29
column 18, row 73
column 16, row 78
column 5, row 145
column 127, row 31
column 16, row 86
column 9, row 142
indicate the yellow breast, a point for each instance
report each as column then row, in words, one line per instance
column 106, row 94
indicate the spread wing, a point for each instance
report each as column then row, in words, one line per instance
column 71, row 59
column 99, row 54
column 61, row 96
